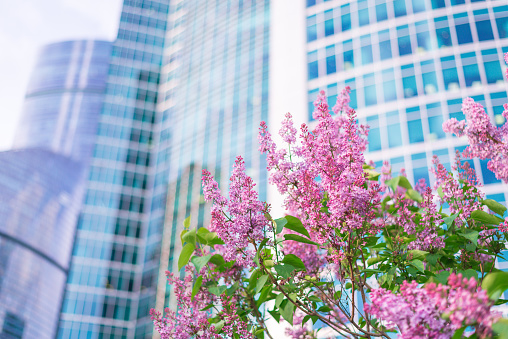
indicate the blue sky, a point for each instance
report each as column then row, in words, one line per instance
column 26, row 25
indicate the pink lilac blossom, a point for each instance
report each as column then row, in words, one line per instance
column 435, row 310
column 298, row 331
column 328, row 166
column 503, row 227
column 486, row 141
column 463, row 198
column 239, row 220
column 188, row 321
column 427, row 238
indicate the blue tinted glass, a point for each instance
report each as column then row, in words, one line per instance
column 471, row 74
column 436, row 126
column 393, row 129
column 450, row 76
column 409, row 86
column 464, row 34
column 329, row 27
column 488, row 176
column 421, row 173
column 438, row 4
column 367, row 55
column 385, row 49
column 418, row 6
column 370, row 95
column 330, row 65
column 443, row 37
column 311, row 97
column 348, row 60
column 493, row 71
column 404, row 45
column 429, row 82
column 423, row 40
column 415, row 131
column 381, row 13
column 346, row 21
column 502, row 27
column 363, row 17
column 389, row 90
column 457, row 2
column 352, row 95
column 399, row 7
column 374, row 137
column 484, row 30
column 311, row 3
column 311, row 33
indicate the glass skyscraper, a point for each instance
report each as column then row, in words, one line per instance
column 115, row 258
column 219, row 68
column 64, row 98
column 409, row 64
column 42, row 184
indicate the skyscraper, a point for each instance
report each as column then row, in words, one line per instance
column 115, row 257
column 41, row 186
column 409, row 64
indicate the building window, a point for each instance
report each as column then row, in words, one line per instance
column 374, row 134
column 420, row 169
column 492, row 66
column 418, row 6
column 330, row 60
column 470, row 68
column 381, row 12
column 450, row 74
column 329, row 26
column 442, row 32
column 311, row 28
column 313, row 71
column 483, row 26
column 501, row 14
column 385, row 47
column 414, row 125
column 409, row 81
column 423, row 36
column 389, row 85
column 438, row 4
column 363, row 13
column 404, row 40
column 369, row 84
column 399, row 8
column 464, row 35
column 393, row 129
column 366, row 50
column 429, row 77
column 349, row 61
column 435, row 119
column 345, row 18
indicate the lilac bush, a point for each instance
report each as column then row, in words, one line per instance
column 363, row 252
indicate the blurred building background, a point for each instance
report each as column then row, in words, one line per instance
column 186, row 84
column 42, row 184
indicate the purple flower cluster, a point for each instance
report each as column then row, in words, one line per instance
column 435, row 310
column 485, row 140
column 324, row 170
column 239, row 220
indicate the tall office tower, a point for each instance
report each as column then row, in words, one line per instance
column 218, row 61
column 42, row 184
column 64, row 98
column 115, row 256
column 409, row 64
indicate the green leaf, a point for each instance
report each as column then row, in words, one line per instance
column 442, row 277
column 275, row 315
column 261, row 283
column 294, row 224
column 186, row 222
column 280, row 224
column 417, row 254
column 232, row 289
column 375, row 260
column 201, row 234
column 294, row 261
column 182, row 234
column 324, row 309
column 284, row 271
column 298, row 238
column 278, row 299
column 413, row 195
column 200, row 262
column 315, row 299
column 372, row 175
column 440, row 192
column 403, row 182
column 213, row 239
column 495, row 284
column 197, row 286
column 418, row 264
column 287, row 310
column 458, row 333
column 217, row 290
column 501, row 302
column 501, row 328
column 217, row 259
column 253, row 279
column 486, row 218
column 185, row 255
column 470, row 235
column 433, row 258
column 190, row 237
column 218, row 326
column 494, row 206
column 393, row 183
column 449, row 220
column 469, row 273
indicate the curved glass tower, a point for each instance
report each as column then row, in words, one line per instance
column 409, row 64
column 40, row 195
column 64, row 98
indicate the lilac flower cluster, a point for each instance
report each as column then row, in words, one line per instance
column 435, row 310
column 485, row 140
column 324, row 170
column 239, row 220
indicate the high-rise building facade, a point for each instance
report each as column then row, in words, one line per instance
column 64, row 98
column 216, row 92
column 409, row 64
column 115, row 257
column 42, row 184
